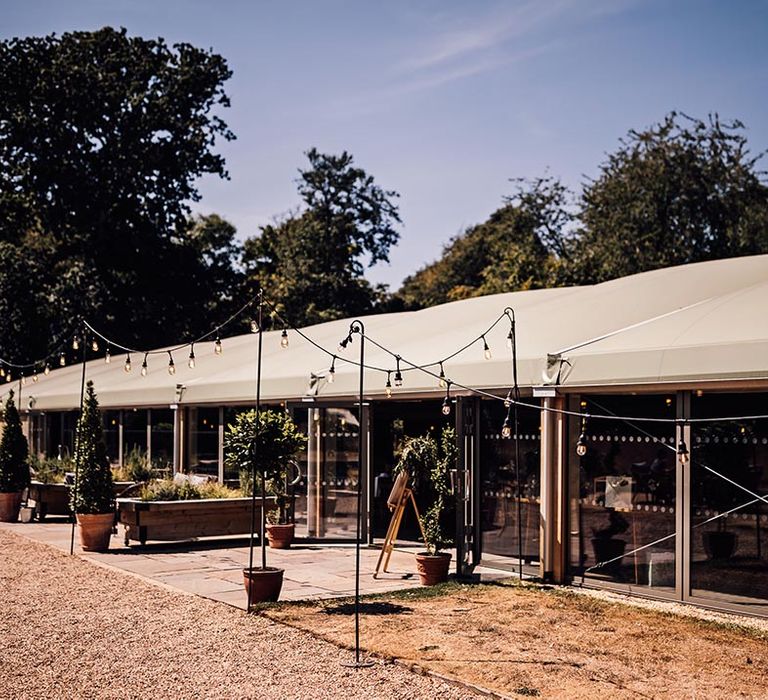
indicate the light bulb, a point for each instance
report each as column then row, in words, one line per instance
column 398, row 378
column 486, row 350
column 388, row 391
column 2, row 371
column 144, row 368
column 332, row 372
column 682, row 451
column 254, row 326
column 284, row 339
column 127, row 365
column 8, row 377
column 171, row 367
column 35, row 377
column 62, row 360
column 75, row 343
column 508, row 400
column 47, row 369
column 506, row 431
column 441, row 379
column 446, row 407
column 217, row 346
column 23, row 380
column 581, row 445
column 107, row 357
column 191, row 361
column 95, row 345
column 509, row 341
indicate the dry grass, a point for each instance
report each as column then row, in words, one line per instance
column 523, row 641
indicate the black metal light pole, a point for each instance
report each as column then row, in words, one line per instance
column 254, row 454
column 516, row 426
column 77, row 442
column 358, row 327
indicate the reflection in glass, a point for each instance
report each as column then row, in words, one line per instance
column 230, row 416
column 111, row 420
column 622, row 494
column 203, row 455
column 498, row 487
column 134, row 432
column 162, row 439
column 729, row 552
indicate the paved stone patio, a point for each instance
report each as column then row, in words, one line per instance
column 213, row 568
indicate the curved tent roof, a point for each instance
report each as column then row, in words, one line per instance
column 703, row 321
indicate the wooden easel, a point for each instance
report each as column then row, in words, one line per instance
column 398, row 498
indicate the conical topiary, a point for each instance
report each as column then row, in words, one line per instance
column 93, row 491
column 14, row 452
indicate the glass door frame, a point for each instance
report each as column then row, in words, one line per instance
column 364, row 464
column 684, row 523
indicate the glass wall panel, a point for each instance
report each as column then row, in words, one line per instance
column 230, row 415
column 393, row 421
column 203, row 441
column 111, row 420
column 498, row 485
column 37, row 434
column 729, row 463
column 162, row 439
column 622, row 494
column 135, row 432
column 334, row 474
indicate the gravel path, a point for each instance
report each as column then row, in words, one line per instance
column 70, row 629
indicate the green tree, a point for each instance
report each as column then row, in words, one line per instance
column 14, row 452
column 681, row 191
column 103, row 137
column 526, row 244
column 312, row 263
column 93, row 493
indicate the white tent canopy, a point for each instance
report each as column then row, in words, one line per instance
column 704, row 321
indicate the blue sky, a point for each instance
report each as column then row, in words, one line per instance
column 442, row 101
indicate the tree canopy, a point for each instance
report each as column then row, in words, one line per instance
column 684, row 190
column 102, row 139
column 681, row 191
column 522, row 245
column 311, row 263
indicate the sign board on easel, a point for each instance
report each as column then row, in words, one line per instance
column 398, row 498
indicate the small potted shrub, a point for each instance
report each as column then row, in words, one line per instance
column 428, row 464
column 14, row 468
column 265, row 447
column 93, row 500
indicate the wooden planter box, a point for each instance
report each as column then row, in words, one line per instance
column 53, row 499
column 50, row 499
column 184, row 520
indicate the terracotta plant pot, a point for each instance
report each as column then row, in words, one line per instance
column 9, row 506
column 265, row 584
column 95, row 531
column 280, row 536
column 433, row 568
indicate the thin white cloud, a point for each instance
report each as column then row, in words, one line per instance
column 454, row 43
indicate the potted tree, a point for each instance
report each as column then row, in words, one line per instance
column 92, row 501
column 265, row 444
column 14, row 469
column 428, row 464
